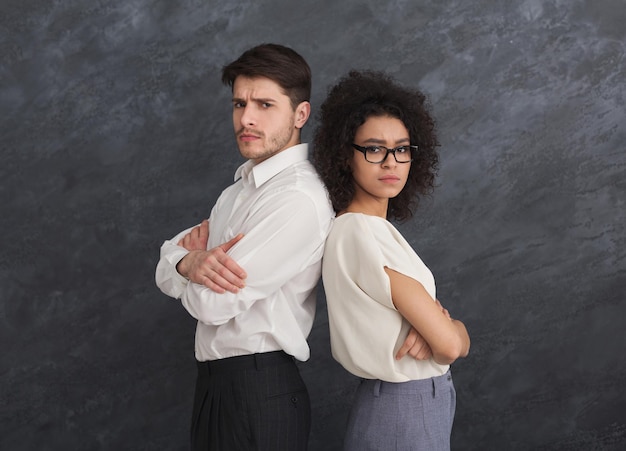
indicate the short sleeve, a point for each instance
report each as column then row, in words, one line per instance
column 365, row 245
column 359, row 256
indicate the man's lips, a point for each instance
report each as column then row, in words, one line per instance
column 247, row 137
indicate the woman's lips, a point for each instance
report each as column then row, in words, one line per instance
column 389, row 179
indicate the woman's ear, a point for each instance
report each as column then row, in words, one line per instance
column 349, row 163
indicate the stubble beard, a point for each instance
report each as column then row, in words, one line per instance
column 272, row 144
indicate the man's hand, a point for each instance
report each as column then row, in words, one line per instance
column 415, row 346
column 212, row 268
column 196, row 239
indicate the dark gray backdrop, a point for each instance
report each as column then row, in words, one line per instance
column 116, row 134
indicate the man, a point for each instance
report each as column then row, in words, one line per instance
column 273, row 221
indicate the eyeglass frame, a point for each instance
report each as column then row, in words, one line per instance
column 363, row 150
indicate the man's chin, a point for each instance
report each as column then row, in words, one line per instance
column 248, row 150
column 251, row 154
column 257, row 156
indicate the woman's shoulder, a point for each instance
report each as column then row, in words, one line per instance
column 358, row 228
column 362, row 220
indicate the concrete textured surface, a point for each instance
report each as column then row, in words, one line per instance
column 115, row 134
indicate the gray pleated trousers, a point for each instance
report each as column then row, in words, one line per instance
column 406, row 416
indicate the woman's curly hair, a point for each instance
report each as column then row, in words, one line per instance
column 356, row 97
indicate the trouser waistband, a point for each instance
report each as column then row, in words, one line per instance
column 244, row 362
column 411, row 387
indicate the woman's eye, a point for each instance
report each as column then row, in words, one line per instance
column 373, row 149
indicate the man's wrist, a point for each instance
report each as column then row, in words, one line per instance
column 182, row 267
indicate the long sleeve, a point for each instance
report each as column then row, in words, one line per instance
column 167, row 278
column 282, row 209
column 283, row 235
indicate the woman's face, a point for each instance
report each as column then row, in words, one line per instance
column 379, row 182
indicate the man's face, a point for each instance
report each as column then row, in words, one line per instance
column 264, row 120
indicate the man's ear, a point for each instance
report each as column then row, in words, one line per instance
column 303, row 111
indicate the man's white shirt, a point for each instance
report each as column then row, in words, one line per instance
column 282, row 208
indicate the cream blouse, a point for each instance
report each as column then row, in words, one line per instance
column 366, row 330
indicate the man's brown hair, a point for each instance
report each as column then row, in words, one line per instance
column 280, row 64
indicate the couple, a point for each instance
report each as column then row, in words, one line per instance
column 248, row 274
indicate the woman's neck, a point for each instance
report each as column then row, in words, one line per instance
column 367, row 208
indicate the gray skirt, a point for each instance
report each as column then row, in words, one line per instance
column 406, row 416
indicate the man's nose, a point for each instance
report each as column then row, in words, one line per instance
column 247, row 116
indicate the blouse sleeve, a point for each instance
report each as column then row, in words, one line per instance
column 366, row 246
column 361, row 258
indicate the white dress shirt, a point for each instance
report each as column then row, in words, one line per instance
column 282, row 208
column 366, row 330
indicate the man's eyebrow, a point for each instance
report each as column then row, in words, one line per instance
column 255, row 99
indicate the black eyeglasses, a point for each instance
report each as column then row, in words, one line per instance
column 378, row 154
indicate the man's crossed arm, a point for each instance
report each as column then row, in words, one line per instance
column 212, row 268
column 216, row 270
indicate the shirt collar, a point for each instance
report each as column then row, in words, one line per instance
column 267, row 169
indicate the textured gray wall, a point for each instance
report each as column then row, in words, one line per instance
column 115, row 133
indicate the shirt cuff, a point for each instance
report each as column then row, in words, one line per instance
column 174, row 284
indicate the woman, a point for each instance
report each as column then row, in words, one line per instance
column 375, row 149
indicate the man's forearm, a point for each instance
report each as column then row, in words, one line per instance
column 167, row 278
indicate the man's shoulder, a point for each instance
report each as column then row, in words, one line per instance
column 299, row 184
column 299, row 176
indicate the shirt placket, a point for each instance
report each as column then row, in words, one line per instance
column 238, row 210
